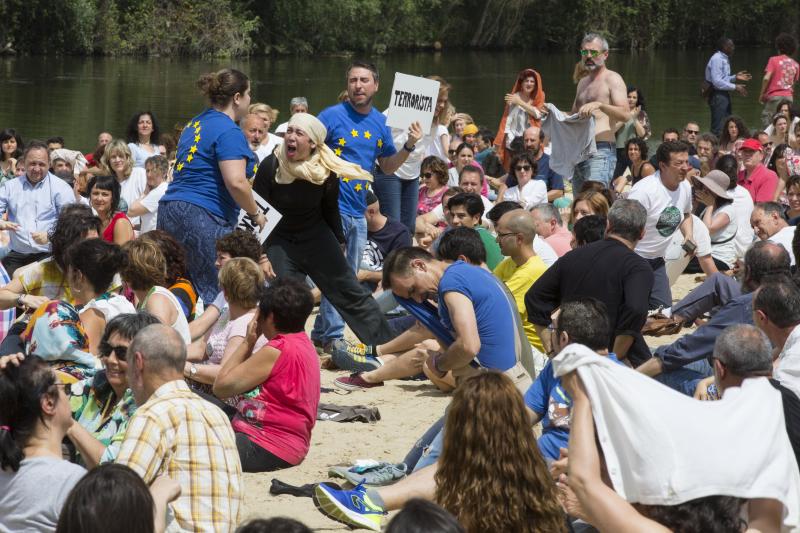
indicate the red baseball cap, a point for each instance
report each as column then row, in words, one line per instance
column 751, row 144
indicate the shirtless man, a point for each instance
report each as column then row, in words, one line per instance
column 602, row 94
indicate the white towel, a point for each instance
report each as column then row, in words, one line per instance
column 664, row 448
column 572, row 139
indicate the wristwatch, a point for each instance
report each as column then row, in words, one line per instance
column 407, row 149
column 19, row 300
column 192, row 370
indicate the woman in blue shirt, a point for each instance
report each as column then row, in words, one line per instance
column 210, row 179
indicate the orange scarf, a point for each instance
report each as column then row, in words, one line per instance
column 536, row 101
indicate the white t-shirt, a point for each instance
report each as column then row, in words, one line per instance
column 545, row 251
column 268, row 145
column 438, row 211
column 150, row 202
column 723, row 242
column 665, row 212
column 110, row 307
column 784, row 238
column 181, row 325
column 436, row 147
column 132, row 188
column 410, row 168
column 533, row 193
column 743, row 206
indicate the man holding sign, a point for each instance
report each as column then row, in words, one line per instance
column 357, row 133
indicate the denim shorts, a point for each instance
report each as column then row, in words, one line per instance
column 599, row 167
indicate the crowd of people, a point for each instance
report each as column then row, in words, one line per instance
column 155, row 347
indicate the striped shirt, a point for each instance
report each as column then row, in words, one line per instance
column 179, row 434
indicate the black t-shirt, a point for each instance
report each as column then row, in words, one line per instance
column 380, row 243
column 791, row 413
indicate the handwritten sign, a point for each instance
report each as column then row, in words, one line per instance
column 413, row 99
column 272, row 214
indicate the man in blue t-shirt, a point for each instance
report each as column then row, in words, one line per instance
column 581, row 321
column 357, row 132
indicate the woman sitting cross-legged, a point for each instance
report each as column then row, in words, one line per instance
column 273, row 429
column 241, row 280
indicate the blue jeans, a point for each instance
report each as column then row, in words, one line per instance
column 329, row 324
column 661, row 293
column 685, row 379
column 398, row 198
column 428, row 448
column 599, row 167
column 720, row 105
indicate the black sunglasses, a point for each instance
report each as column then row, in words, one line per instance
column 427, row 175
column 523, row 168
column 120, row 351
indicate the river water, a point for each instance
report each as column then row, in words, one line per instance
column 79, row 97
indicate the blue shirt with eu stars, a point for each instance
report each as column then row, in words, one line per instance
column 360, row 139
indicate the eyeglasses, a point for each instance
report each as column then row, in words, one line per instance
column 592, row 53
column 427, row 175
column 504, row 235
column 520, row 168
column 451, row 152
column 120, row 351
column 692, row 132
column 67, row 387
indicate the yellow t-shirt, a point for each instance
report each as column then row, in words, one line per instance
column 519, row 279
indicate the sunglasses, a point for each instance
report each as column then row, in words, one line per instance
column 692, row 132
column 522, row 168
column 451, row 152
column 592, row 53
column 120, row 351
column 427, row 175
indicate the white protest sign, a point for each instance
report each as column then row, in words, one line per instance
column 413, row 99
column 272, row 214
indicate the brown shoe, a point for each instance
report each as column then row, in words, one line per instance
column 658, row 326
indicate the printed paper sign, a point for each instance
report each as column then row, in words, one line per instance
column 272, row 214
column 413, row 99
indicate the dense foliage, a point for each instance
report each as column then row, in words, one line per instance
column 244, row 27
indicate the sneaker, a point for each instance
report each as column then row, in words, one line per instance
column 374, row 475
column 354, row 382
column 350, row 507
column 355, row 357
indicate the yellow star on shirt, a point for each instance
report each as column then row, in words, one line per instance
column 342, row 142
column 180, row 166
column 358, row 187
column 367, row 135
column 346, row 180
column 197, row 129
column 354, row 133
column 338, row 151
column 189, row 158
column 193, row 149
column 197, row 139
column 196, row 123
column 380, row 143
column 255, row 169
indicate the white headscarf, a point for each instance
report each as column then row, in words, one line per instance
column 322, row 160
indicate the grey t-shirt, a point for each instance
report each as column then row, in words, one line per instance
column 31, row 498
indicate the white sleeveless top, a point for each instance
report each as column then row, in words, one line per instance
column 181, row 325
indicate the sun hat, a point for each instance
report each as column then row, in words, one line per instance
column 717, row 182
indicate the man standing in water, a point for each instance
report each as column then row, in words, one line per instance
column 602, row 94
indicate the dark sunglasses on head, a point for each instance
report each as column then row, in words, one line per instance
column 120, row 351
column 523, row 168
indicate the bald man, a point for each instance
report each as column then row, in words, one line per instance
column 533, row 140
column 521, row 267
column 255, row 130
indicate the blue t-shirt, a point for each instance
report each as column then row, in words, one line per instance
column 207, row 139
column 553, row 180
column 493, row 312
column 549, row 400
column 360, row 139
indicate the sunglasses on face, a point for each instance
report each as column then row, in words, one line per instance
column 522, row 168
column 692, row 132
column 451, row 152
column 120, row 351
column 427, row 175
column 591, row 53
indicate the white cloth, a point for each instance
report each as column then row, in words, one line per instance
column 743, row 205
column 664, row 448
column 723, row 242
column 410, row 168
column 268, row 145
column 784, row 238
column 533, row 193
column 545, row 251
column 665, row 213
column 517, row 122
column 282, row 128
column 180, row 325
column 571, row 137
column 111, row 307
column 436, row 147
column 132, row 188
column 787, row 370
column 150, row 202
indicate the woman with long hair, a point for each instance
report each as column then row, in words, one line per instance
column 589, row 203
column 34, row 419
column 177, row 281
column 777, row 164
column 104, row 196
column 639, row 167
column 143, row 136
column 522, row 110
column 637, row 127
column 793, row 199
column 458, row 122
column 117, row 161
column 209, row 185
column 733, row 130
column 10, row 151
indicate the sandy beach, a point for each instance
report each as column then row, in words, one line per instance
column 407, row 409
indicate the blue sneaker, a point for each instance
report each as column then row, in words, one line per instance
column 352, row 356
column 350, row 507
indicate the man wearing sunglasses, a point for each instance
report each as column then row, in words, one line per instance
column 690, row 133
column 602, row 94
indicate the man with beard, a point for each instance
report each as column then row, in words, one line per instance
column 602, row 94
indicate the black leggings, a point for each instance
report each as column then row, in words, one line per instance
column 254, row 458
